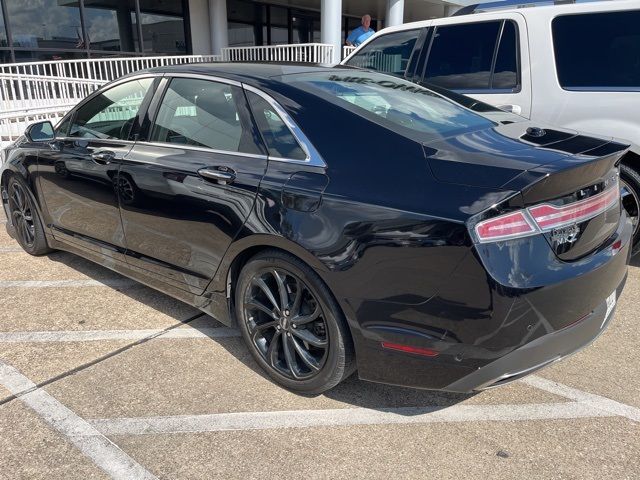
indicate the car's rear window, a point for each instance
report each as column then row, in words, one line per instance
column 598, row 51
column 402, row 106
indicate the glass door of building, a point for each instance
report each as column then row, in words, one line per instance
column 305, row 26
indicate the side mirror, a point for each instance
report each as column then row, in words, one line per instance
column 40, row 132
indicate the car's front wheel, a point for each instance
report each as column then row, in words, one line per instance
column 25, row 218
column 292, row 324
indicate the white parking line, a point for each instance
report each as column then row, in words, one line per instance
column 344, row 417
column 11, row 249
column 591, row 399
column 114, row 282
column 104, row 453
column 97, row 335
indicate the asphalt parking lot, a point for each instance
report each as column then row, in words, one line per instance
column 101, row 377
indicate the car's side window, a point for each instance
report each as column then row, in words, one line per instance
column 203, row 113
column 598, row 51
column 388, row 53
column 62, row 129
column 280, row 141
column 474, row 56
column 111, row 114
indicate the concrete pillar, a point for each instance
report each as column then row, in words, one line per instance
column 125, row 28
column 331, row 25
column 200, row 27
column 395, row 13
column 450, row 10
column 218, row 22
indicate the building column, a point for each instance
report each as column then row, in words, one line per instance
column 395, row 13
column 200, row 27
column 331, row 25
column 218, row 22
column 450, row 9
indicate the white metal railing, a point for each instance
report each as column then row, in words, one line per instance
column 346, row 51
column 35, row 91
column 30, row 92
column 13, row 124
column 100, row 68
column 320, row 53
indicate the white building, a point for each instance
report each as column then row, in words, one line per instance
column 40, row 30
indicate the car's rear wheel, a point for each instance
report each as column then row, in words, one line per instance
column 630, row 190
column 25, row 218
column 292, row 324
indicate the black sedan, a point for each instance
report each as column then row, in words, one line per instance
column 340, row 219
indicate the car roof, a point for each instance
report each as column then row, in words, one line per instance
column 250, row 73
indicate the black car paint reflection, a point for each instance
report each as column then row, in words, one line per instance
column 386, row 218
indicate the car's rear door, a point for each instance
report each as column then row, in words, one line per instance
column 78, row 171
column 191, row 179
column 487, row 59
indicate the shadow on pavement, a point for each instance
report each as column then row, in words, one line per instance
column 352, row 391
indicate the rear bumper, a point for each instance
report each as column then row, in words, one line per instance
column 515, row 329
column 539, row 353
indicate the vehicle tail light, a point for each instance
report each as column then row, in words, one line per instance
column 512, row 225
column 545, row 217
column 550, row 216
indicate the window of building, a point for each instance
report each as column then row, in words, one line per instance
column 598, row 50
column 4, row 41
column 461, row 56
column 110, row 28
column 162, row 27
column 110, row 114
column 45, row 24
column 280, row 141
column 279, row 26
column 202, row 113
column 388, row 53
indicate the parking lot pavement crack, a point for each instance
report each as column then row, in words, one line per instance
column 93, row 444
column 595, row 401
column 152, row 335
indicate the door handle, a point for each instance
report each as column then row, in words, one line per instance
column 103, row 158
column 517, row 109
column 221, row 175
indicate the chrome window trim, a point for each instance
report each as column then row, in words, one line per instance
column 199, row 76
column 92, row 139
column 201, row 149
column 313, row 157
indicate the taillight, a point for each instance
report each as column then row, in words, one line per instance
column 512, row 225
column 545, row 217
column 550, row 216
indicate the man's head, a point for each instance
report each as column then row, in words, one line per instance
column 366, row 21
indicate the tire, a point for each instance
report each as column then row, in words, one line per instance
column 630, row 187
column 302, row 340
column 25, row 218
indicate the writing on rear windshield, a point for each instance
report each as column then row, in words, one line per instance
column 404, row 87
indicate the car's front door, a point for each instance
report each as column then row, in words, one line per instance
column 191, row 180
column 79, row 170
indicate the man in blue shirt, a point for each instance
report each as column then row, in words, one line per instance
column 360, row 34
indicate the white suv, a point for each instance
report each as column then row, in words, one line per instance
column 575, row 65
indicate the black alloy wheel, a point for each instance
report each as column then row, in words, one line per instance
column 630, row 192
column 25, row 219
column 125, row 188
column 291, row 324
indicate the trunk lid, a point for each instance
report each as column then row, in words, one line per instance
column 553, row 169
